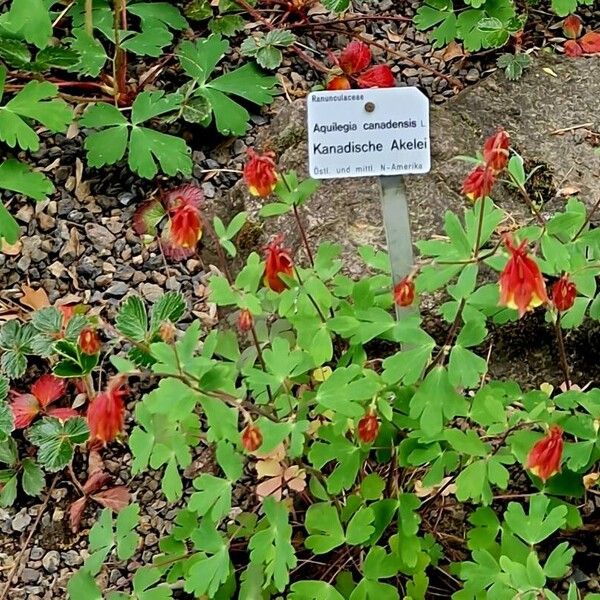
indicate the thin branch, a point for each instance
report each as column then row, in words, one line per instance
column 32, row 530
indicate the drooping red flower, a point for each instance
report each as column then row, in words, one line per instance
column 106, row 413
column 277, row 262
column 564, row 293
column 380, row 76
column 260, row 174
column 368, row 428
column 590, row 42
column 404, row 292
column 251, row 438
column 46, row 390
column 89, row 342
column 339, row 82
column 572, row 27
column 495, row 151
column 478, row 183
column 544, row 458
column 355, row 57
column 185, row 224
column 245, row 320
column 522, row 286
column 573, row 49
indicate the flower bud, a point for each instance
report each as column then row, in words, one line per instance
column 368, row 428
column 404, row 292
column 89, row 342
column 245, row 321
column 564, row 293
column 251, row 438
column 167, row 332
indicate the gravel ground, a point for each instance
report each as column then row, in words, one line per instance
column 80, row 242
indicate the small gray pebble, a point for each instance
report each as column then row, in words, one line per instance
column 51, row 561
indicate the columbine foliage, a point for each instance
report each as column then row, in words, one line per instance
column 374, row 444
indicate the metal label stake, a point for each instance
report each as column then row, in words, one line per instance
column 374, row 132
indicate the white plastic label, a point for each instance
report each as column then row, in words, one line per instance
column 365, row 133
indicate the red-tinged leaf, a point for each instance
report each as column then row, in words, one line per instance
column 572, row 27
column 95, row 462
column 96, row 482
column 64, row 414
column 572, row 48
column 339, row 82
column 590, row 42
column 25, row 408
column 48, row 389
column 116, row 498
column 147, row 216
column 76, row 512
column 380, row 76
column 354, row 58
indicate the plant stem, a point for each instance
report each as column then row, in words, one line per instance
column 587, row 220
column 312, row 300
column 120, row 56
column 89, row 17
column 261, row 358
column 32, row 530
column 561, row 351
column 304, row 237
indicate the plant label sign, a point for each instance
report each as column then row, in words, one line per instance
column 365, row 133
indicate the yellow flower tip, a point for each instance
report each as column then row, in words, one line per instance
column 253, row 191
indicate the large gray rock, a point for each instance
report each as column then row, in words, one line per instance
column 555, row 94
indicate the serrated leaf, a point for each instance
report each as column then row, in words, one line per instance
column 169, row 307
column 33, row 478
column 132, row 319
column 14, row 52
column 56, row 440
column 337, row 6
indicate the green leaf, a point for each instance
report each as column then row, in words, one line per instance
column 56, row 440
column 337, row 6
column 29, row 19
column 322, row 521
column 372, row 486
column 313, row 590
column 83, row 585
column 8, row 487
column 213, row 497
column 360, row 527
column 199, row 59
column 514, row 64
column 558, row 563
column 272, row 547
column 33, row 478
column 92, row 55
column 132, row 319
column 539, row 524
column 15, row 53
column 125, row 537
column 36, row 101
column 169, row 307
column 564, row 7
column 436, row 401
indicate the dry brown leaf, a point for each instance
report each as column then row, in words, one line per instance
column 453, row 50
column 569, row 191
column 82, row 188
column 11, row 249
column 590, row 480
column 34, row 299
column 422, row 492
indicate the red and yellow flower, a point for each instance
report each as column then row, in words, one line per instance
column 496, row 151
column 521, row 283
column 185, row 222
column 260, row 174
column 479, row 183
column 106, row 413
column 544, row 458
column 245, row 321
column 277, row 262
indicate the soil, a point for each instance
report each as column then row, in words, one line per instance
column 80, row 243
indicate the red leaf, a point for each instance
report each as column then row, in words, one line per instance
column 147, row 216
column 354, row 58
column 64, row 414
column 380, row 76
column 96, row 482
column 339, row 82
column 76, row 512
column 572, row 26
column 115, row 498
column 590, row 42
column 24, row 407
column 48, row 389
column 95, row 462
column 572, row 48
